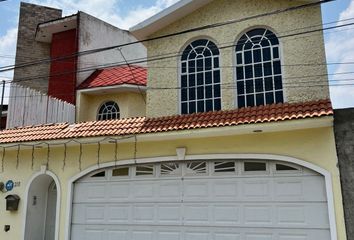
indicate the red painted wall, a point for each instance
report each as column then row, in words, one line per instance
column 62, row 80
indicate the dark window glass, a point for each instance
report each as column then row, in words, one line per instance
column 257, row 59
column 275, row 52
column 249, row 86
column 281, row 167
column 239, row 58
column 269, row 98
column 248, row 57
column 191, row 80
column 200, row 58
column 217, row 91
column 216, row 62
column 250, row 100
column 277, row 67
column 217, row 104
column 266, row 54
column 268, row 84
column 259, row 85
column 208, row 78
column 217, row 76
column 209, row 105
column 184, row 81
column 278, row 82
column 249, row 71
column 200, row 78
column 239, row 72
column 257, row 55
column 120, row 172
column 100, row 174
column 191, row 66
column 184, row 108
column 209, row 91
column 192, row 107
column 200, row 65
column 267, row 69
column 260, row 99
column 200, row 92
column 241, row 101
column 255, row 166
column 279, row 98
column 184, row 94
column 200, row 106
column 240, row 87
column 184, row 67
column 191, row 93
column 258, row 70
column 224, row 167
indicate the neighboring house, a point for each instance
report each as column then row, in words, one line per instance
column 344, row 133
column 47, row 37
column 237, row 141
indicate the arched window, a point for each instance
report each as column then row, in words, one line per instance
column 108, row 110
column 258, row 69
column 200, row 77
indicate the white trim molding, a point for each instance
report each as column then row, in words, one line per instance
column 288, row 159
column 43, row 171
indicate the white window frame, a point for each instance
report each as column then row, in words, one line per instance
column 104, row 106
column 272, row 60
column 187, row 74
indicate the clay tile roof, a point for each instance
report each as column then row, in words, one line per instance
column 133, row 75
column 142, row 125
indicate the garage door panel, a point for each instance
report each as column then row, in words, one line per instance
column 309, row 188
column 90, row 192
column 209, row 206
column 130, row 232
column 118, row 235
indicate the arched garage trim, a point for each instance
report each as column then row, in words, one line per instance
column 43, row 171
column 325, row 173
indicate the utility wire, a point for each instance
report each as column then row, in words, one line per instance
column 209, row 26
column 163, row 57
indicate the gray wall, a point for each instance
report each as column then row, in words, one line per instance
column 95, row 33
column 344, row 133
column 29, row 50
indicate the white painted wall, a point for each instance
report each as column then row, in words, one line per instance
column 30, row 107
column 36, row 212
column 93, row 34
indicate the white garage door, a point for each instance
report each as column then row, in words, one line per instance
column 201, row 200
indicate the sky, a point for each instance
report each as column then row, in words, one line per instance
column 126, row 13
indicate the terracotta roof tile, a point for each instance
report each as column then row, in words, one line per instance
column 133, row 75
column 142, row 125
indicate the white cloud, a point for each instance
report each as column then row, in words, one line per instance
column 7, row 52
column 339, row 48
column 108, row 10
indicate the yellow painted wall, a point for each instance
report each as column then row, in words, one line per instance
column 312, row 145
column 296, row 50
column 131, row 104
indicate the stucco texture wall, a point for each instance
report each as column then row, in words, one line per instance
column 94, row 34
column 315, row 146
column 302, row 49
column 344, row 132
column 131, row 104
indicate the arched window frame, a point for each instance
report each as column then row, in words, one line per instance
column 263, row 83
column 108, row 110
column 200, row 91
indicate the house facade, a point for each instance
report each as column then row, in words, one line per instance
column 234, row 140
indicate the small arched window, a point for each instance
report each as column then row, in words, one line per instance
column 258, row 69
column 108, row 110
column 200, row 77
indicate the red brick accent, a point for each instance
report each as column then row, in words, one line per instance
column 62, row 81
